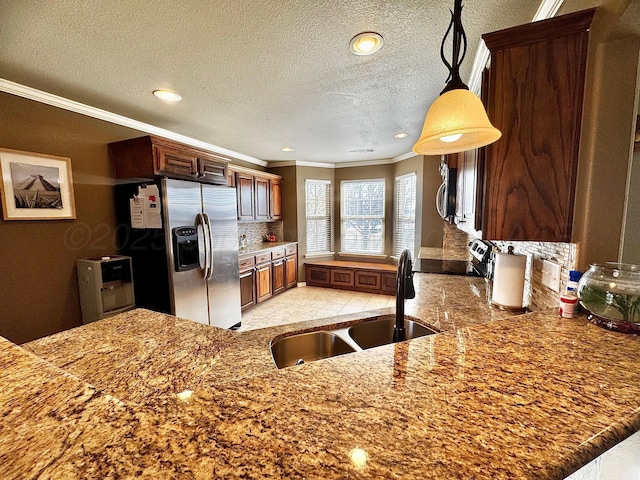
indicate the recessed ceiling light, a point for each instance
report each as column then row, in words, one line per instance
column 366, row 43
column 401, row 135
column 287, row 149
column 167, row 95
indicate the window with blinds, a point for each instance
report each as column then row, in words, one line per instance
column 318, row 212
column 404, row 232
column 362, row 216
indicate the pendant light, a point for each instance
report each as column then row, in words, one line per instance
column 456, row 121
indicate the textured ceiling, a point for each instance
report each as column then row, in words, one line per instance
column 254, row 75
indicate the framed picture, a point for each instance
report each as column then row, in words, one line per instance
column 36, row 186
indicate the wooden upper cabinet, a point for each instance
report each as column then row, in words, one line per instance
column 275, row 199
column 151, row 156
column 535, row 98
column 261, row 192
column 175, row 162
column 244, row 191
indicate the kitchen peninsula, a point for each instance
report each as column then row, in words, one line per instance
column 492, row 396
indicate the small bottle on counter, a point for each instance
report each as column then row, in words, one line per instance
column 572, row 284
column 568, row 304
column 569, row 301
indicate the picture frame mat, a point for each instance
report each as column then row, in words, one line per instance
column 63, row 164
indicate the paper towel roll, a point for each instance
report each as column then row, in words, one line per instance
column 508, row 280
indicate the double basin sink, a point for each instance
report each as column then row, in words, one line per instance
column 308, row 347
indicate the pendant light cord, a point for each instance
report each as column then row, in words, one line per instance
column 459, row 40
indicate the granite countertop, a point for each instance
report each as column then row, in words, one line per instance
column 253, row 248
column 492, row 396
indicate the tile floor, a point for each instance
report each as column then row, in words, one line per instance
column 307, row 303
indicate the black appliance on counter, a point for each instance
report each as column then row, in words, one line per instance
column 480, row 264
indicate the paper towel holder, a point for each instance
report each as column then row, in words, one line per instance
column 508, row 308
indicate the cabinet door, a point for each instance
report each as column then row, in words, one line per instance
column 535, row 99
column 277, row 272
column 175, row 162
column 212, row 171
column 291, row 271
column 247, row 289
column 263, row 282
column 244, row 191
column 261, row 192
column 275, row 199
column 231, row 178
column 317, row 276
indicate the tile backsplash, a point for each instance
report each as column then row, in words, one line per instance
column 538, row 296
column 255, row 231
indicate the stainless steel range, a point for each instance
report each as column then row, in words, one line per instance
column 481, row 257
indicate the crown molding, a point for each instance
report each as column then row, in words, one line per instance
column 23, row 91
column 300, row 163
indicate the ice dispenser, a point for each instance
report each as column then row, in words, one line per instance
column 106, row 286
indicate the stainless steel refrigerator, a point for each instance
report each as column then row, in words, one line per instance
column 189, row 266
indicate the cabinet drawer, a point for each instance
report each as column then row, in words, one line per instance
column 246, row 262
column 265, row 257
column 212, row 171
column 277, row 253
column 175, row 162
column 291, row 249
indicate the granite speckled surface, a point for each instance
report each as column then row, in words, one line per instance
column 532, row 396
column 254, row 248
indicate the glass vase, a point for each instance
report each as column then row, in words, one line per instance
column 611, row 293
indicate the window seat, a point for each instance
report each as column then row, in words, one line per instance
column 349, row 275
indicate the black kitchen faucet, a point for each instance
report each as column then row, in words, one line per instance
column 404, row 289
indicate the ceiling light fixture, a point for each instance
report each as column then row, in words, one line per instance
column 287, row 149
column 456, row 121
column 167, row 95
column 401, row 135
column 366, row 43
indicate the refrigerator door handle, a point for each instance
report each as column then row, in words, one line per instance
column 207, row 221
column 201, row 221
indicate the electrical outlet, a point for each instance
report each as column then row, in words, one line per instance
column 551, row 275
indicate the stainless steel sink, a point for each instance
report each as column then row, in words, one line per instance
column 380, row 332
column 308, row 347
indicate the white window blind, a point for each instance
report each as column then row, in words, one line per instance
column 318, row 212
column 362, row 216
column 404, row 232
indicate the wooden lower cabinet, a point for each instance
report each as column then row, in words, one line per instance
column 291, row 271
column 267, row 273
column 358, row 276
column 318, row 276
column 342, row 278
column 389, row 281
column 277, row 272
column 366, row 280
column 263, row 282
column 247, row 289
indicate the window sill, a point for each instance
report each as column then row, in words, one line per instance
column 319, row 254
column 363, row 255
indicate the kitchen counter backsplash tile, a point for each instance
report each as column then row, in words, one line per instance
column 526, row 397
column 255, row 231
column 537, row 296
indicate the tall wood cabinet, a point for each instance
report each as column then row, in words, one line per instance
column 535, row 98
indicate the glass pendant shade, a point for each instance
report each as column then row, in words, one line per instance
column 455, row 113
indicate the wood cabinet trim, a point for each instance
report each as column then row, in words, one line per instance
column 542, row 30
